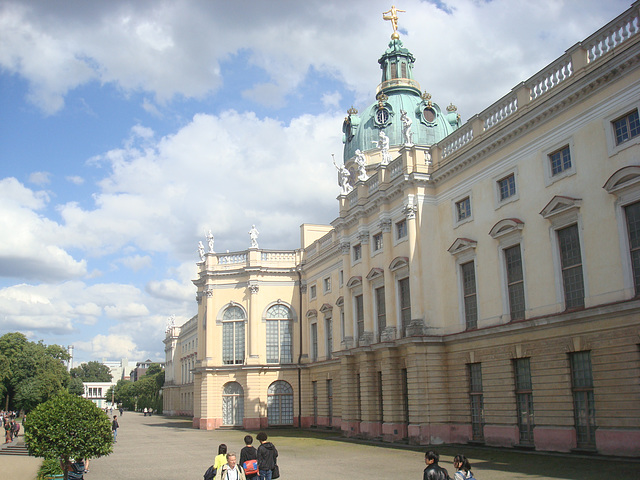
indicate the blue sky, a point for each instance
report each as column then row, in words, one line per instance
column 129, row 129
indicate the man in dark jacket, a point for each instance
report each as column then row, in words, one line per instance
column 433, row 470
column 267, row 455
column 248, row 453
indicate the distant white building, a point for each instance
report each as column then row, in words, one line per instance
column 97, row 391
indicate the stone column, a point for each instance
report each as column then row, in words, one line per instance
column 390, row 333
column 348, row 341
column 411, row 210
column 253, row 355
column 367, row 300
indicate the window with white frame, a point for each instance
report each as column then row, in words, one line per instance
column 462, row 210
column 359, row 312
column 626, row 127
column 571, row 265
column 279, row 322
column 469, row 293
column 314, row 341
column 507, row 187
column 515, row 281
column 401, row 229
column 313, row 292
column 381, row 311
column 341, row 278
column 560, row 161
column 328, row 333
column 377, row 242
column 357, row 252
column 233, row 323
column 404, row 294
column 632, row 216
column 326, row 284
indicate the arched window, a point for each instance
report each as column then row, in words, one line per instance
column 233, row 321
column 279, row 334
column 232, row 404
column 280, row 403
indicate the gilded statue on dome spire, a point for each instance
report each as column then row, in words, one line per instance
column 392, row 16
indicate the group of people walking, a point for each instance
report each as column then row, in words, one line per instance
column 11, row 426
column 259, row 464
column 436, row 472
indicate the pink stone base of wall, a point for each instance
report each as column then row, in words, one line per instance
column 350, row 428
column 421, row 434
column 195, row 423
column 252, row 424
column 371, row 429
column 554, row 439
column 393, row 432
column 501, row 436
column 618, row 442
column 207, row 423
column 307, row 422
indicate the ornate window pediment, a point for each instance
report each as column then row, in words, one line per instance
column 375, row 273
column 398, row 262
column 354, row 282
column 462, row 245
column 326, row 308
column 560, row 205
column 624, row 179
column 505, row 227
column 340, row 301
column 312, row 313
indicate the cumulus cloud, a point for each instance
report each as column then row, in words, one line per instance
column 40, row 178
column 75, row 179
column 111, row 346
column 137, row 262
column 168, row 49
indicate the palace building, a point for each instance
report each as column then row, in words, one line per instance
column 480, row 283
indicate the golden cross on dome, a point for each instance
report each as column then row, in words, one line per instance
column 392, row 16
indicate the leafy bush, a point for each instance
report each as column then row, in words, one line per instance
column 49, row 467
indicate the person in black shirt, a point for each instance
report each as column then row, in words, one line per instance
column 433, row 470
column 248, row 453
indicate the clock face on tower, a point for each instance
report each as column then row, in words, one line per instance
column 382, row 116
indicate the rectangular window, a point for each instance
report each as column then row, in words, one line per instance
column 357, row 252
column 463, row 208
column 626, row 127
column 328, row 327
column 405, row 395
column 359, row 398
column 359, row 314
column 381, row 312
column 583, row 402
column 515, row 281
column 377, row 242
column 571, row 264
column 477, row 401
column 632, row 213
column 524, row 399
column 279, row 341
column 330, row 401
column 312, row 292
column 560, row 160
column 401, row 229
column 342, row 325
column 314, row 388
column 314, row 341
column 380, row 398
column 507, row 187
column 341, row 277
column 469, row 295
column 326, row 285
column 233, row 343
column 405, row 303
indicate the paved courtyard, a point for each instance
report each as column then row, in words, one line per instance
column 162, row 448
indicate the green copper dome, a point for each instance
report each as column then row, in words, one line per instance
column 398, row 92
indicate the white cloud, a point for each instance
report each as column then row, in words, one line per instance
column 111, row 346
column 75, row 179
column 40, row 178
column 331, row 99
column 137, row 262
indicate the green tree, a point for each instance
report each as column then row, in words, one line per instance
column 76, row 387
column 92, row 372
column 67, row 426
column 30, row 372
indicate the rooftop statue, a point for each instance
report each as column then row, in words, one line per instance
column 343, row 177
column 210, row 240
column 253, row 235
column 383, row 144
column 406, row 128
column 201, row 251
column 361, row 162
column 392, row 16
